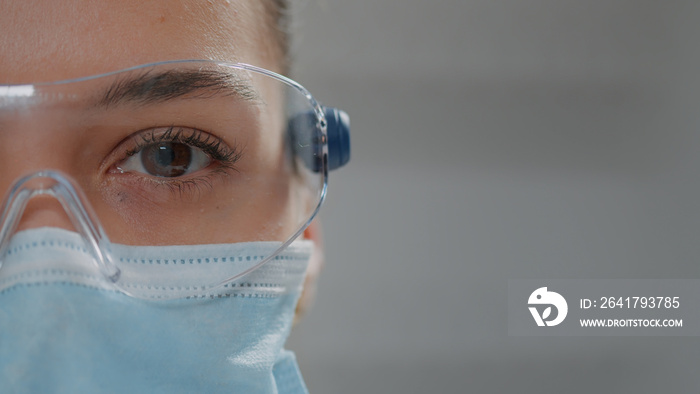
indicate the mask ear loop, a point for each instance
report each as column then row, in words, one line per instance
column 72, row 200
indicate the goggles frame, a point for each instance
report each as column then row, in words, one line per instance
column 329, row 150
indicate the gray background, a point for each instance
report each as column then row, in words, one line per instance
column 496, row 140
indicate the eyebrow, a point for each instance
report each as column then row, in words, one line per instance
column 152, row 88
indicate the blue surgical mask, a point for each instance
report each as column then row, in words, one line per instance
column 64, row 329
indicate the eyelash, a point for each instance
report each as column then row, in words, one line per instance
column 213, row 146
column 226, row 156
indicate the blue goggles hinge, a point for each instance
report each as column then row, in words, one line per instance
column 337, row 130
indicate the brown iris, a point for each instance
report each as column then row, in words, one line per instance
column 166, row 159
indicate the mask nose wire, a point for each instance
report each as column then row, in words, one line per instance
column 73, row 201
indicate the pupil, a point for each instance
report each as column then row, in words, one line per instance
column 166, row 159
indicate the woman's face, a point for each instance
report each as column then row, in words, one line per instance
column 105, row 148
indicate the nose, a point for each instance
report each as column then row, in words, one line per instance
column 45, row 211
column 38, row 200
column 49, row 198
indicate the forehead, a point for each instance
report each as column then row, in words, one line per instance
column 52, row 40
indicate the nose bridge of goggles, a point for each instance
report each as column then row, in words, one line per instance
column 54, row 184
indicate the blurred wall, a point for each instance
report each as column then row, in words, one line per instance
column 495, row 140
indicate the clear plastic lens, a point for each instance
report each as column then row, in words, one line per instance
column 178, row 153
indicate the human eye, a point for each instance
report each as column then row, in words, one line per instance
column 175, row 154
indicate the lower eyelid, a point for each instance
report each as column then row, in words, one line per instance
column 144, row 189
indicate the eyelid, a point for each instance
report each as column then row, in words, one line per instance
column 189, row 136
column 219, row 151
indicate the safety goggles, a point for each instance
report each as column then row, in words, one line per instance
column 173, row 153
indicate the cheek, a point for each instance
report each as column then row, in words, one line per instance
column 256, row 207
